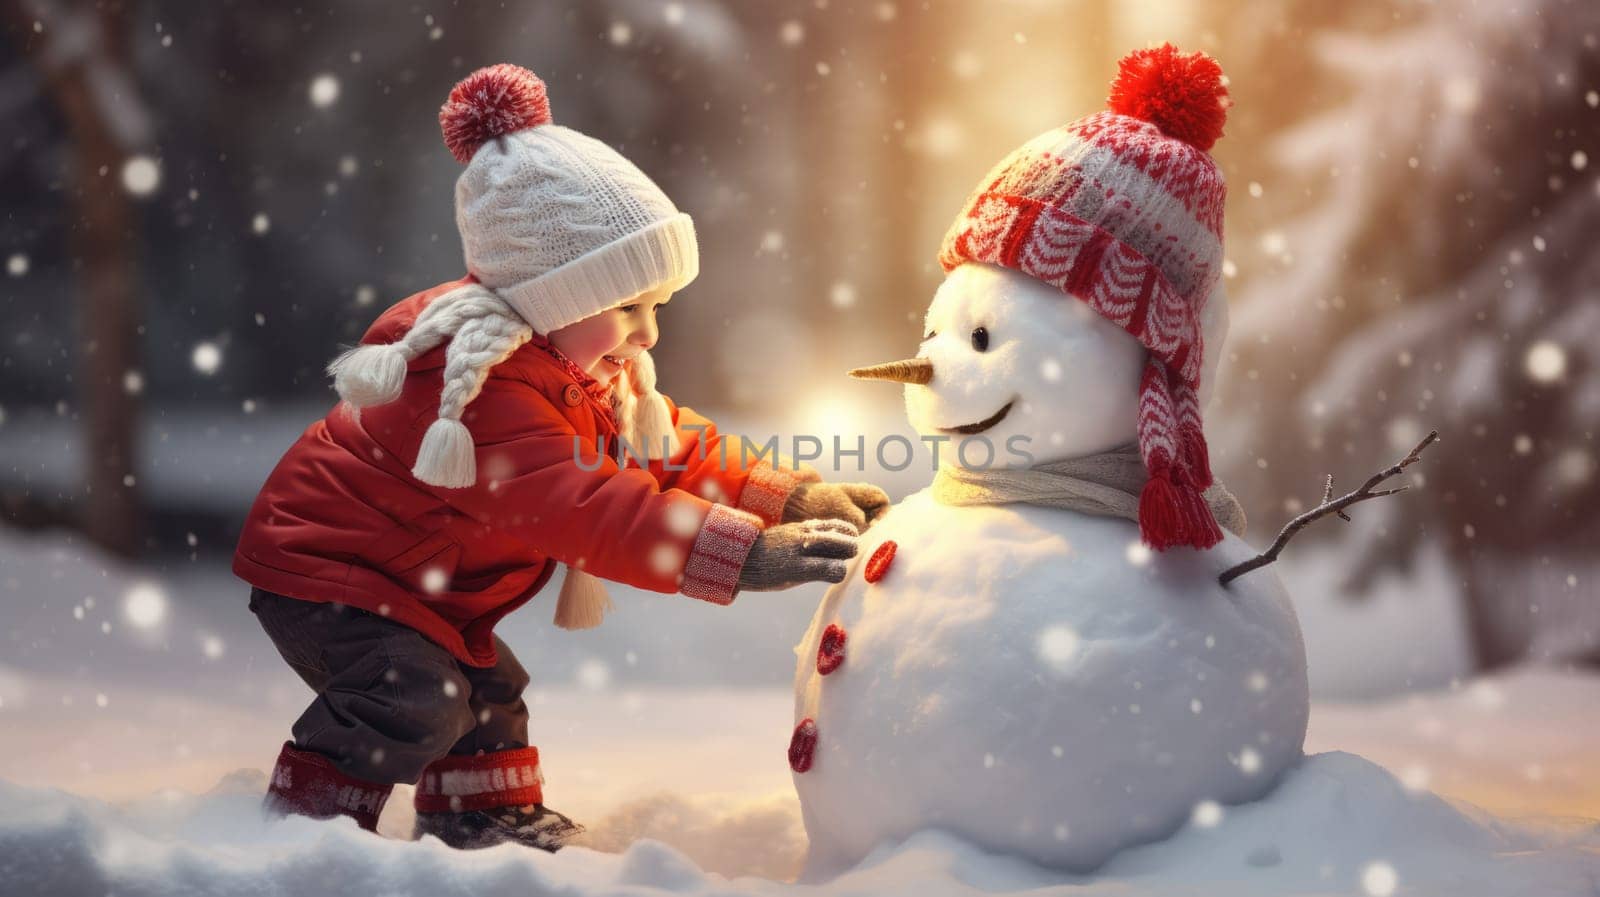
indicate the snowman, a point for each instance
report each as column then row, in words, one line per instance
column 1035, row 653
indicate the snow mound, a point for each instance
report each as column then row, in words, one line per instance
column 1037, row 682
column 1337, row 825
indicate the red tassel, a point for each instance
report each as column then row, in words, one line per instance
column 1175, row 514
column 1159, row 525
column 1201, row 527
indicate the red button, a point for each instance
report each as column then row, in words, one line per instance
column 803, row 745
column 572, row 395
column 830, row 654
column 878, row 564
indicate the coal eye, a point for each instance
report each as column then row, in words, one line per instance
column 980, row 339
column 930, row 335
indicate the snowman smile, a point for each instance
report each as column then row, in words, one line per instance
column 986, row 423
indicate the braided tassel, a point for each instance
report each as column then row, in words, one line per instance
column 1172, row 507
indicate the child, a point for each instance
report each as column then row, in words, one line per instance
column 474, row 450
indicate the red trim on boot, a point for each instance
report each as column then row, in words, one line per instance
column 457, row 784
column 306, row 783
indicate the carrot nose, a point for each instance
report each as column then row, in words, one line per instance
column 909, row 370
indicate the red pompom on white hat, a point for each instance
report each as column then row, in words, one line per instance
column 1183, row 94
column 491, row 102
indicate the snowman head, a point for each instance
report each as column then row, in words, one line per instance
column 1009, row 360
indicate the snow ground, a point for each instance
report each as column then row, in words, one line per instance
column 105, row 802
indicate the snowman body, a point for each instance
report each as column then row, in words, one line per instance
column 1037, row 682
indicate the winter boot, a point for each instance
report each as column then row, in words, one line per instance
column 487, row 799
column 534, row 825
column 305, row 783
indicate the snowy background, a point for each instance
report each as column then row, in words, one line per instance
column 198, row 210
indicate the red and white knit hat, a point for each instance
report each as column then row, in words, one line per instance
column 1123, row 209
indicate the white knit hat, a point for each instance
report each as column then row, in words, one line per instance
column 556, row 227
column 556, row 222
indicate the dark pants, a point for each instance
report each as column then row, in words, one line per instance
column 389, row 701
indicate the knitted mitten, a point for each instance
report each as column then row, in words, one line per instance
column 858, row 504
column 792, row 553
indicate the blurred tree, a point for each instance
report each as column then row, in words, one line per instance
column 82, row 59
column 1426, row 260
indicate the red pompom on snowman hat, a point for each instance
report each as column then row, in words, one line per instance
column 1122, row 209
column 1185, row 95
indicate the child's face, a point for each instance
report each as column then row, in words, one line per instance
column 600, row 343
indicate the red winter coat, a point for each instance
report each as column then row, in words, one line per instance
column 342, row 519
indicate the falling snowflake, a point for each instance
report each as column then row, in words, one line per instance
column 966, row 65
column 842, row 295
column 144, row 605
column 673, row 13
column 132, row 383
column 593, row 674
column 206, row 358
column 1546, row 361
column 1207, row 814
column 435, row 580
column 260, row 224
column 1138, row 553
column 1249, row 761
column 141, row 175
column 683, row 519
column 621, row 34
column 1575, row 467
column 212, row 647
column 1415, row 777
column 324, row 91
column 1379, row 879
column 17, row 265
column 1057, row 646
column 943, row 137
column 791, row 33
column 666, row 558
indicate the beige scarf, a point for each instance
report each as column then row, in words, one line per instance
column 1105, row 485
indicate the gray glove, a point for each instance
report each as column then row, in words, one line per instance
column 859, row 504
column 792, row 553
